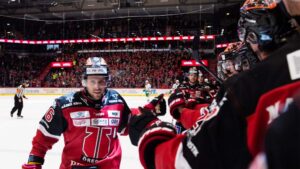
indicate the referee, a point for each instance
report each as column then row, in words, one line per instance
column 19, row 99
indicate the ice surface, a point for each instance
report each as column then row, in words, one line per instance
column 16, row 134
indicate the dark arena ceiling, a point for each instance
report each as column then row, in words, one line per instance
column 55, row 10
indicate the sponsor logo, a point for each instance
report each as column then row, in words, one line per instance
column 99, row 70
column 113, row 113
column 100, row 114
column 75, row 163
column 115, row 101
column 89, row 160
column 81, row 122
column 66, row 105
column 99, row 122
column 77, row 103
column 114, row 96
column 80, row 114
column 114, row 122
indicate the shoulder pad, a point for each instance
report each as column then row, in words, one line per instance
column 113, row 96
column 68, row 100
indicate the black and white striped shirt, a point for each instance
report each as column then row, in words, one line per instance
column 20, row 91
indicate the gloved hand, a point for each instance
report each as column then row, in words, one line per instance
column 31, row 166
column 176, row 102
column 147, row 131
column 157, row 105
column 138, row 122
column 34, row 162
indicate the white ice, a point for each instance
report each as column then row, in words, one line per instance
column 16, row 134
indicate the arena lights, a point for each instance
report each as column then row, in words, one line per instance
column 190, row 63
column 106, row 40
column 61, row 64
column 224, row 45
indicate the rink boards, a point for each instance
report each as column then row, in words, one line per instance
column 63, row 91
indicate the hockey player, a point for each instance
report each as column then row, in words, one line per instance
column 246, row 59
column 147, row 90
column 219, row 139
column 19, row 99
column 89, row 121
column 193, row 92
column 174, row 87
column 236, row 58
column 192, row 89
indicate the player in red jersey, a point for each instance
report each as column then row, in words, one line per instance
column 89, row 121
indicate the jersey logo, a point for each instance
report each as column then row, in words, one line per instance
column 80, row 114
column 114, row 122
column 275, row 109
column 113, row 113
column 99, row 122
column 81, row 122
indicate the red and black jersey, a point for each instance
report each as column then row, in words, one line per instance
column 228, row 136
column 194, row 91
column 89, row 128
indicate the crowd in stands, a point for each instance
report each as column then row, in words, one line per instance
column 127, row 70
column 15, row 69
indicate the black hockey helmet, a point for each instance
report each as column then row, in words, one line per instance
column 264, row 23
column 227, row 59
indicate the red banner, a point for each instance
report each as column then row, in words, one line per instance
column 191, row 63
column 61, row 64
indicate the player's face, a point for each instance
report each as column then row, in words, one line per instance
column 193, row 78
column 200, row 79
column 96, row 86
column 229, row 68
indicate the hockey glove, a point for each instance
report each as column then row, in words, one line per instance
column 175, row 102
column 148, row 131
column 157, row 105
column 34, row 162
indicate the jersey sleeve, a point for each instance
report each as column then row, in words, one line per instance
column 216, row 141
column 123, row 128
column 51, row 126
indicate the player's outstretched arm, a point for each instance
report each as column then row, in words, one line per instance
column 51, row 126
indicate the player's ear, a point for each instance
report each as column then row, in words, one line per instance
column 83, row 82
